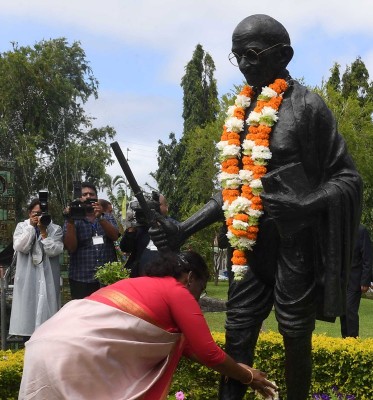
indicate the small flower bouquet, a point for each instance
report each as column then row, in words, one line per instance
column 111, row 272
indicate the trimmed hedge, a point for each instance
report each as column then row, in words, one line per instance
column 11, row 366
column 346, row 363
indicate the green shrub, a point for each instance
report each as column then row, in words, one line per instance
column 111, row 272
column 345, row 363
column 11, row 366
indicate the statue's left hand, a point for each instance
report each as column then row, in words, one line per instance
column 287, row 206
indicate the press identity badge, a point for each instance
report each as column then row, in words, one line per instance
column 97, row 239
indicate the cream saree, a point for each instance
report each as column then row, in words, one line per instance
column 90, row 350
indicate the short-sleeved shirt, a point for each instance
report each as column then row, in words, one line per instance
column 88, row 256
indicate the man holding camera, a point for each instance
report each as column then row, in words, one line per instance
column 89, row 241
column 38, row 244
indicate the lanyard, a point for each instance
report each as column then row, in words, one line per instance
column 94, row 228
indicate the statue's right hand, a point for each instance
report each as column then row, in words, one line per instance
column 166, row 235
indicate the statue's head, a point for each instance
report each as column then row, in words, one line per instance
column 262, row 50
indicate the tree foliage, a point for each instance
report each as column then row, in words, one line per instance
column 117, row 192
column 187, row 165
column 199, row 166
column 351, row 100
column 200, row 100
column 355, row 82
column 43, row 126
column 169, row 159
column 187, row 169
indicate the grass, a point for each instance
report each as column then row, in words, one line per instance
column 216, row 320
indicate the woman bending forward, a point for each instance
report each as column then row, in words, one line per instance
column 125, row 340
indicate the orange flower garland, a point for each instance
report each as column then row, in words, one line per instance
column 242, row 186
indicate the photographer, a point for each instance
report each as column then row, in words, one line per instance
column 38, row 243
column 89, row 241
column 136, row 239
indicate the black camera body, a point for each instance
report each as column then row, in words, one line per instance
column 79, row 209
column 45, row 218
column 139, row 218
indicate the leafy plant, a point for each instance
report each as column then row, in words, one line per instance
column 111, row 272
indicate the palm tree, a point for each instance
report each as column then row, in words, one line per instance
column 116, row 190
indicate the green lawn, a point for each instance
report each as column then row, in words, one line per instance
column 216, row 319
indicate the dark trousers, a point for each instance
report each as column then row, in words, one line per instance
column 294, row 296
column 79, row 290
column 350, row 321
column 240, row 345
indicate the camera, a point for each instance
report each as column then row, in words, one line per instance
column 79, row 209
column 138, row 217
column 45, row 218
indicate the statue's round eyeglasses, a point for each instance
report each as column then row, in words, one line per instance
column 251, row 56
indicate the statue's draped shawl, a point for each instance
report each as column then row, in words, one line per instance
column 307, row 126
column 329, row 168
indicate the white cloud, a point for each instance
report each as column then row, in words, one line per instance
column 140, row 122
column 174, row 28
column 165, row 23
column 137, row 117
column 149, row 20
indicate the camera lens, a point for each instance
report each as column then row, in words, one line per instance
column 45, row 220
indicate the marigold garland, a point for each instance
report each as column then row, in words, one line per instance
column 242, row 186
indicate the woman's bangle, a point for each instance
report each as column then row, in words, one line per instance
column 252, row 377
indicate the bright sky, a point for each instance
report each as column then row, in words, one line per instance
column 138, row 50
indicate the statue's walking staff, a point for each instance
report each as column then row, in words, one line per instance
column 150, row 215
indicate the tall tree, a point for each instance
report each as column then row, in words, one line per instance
column 43, row 124
column 355, row 82
column 117, row 192
column 335, row 79
column 168, row 161
column 186, row 169
column 200, row 108
column 351, row 101
column 201, row 161
column 199, row 167
column 200, row 100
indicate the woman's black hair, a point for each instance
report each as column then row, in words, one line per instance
column 172, row 264
column 32, row 204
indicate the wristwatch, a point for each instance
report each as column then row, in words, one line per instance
column 101, row 217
